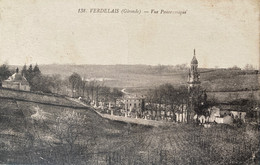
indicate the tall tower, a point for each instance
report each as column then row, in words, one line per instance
column 193, row 86
column 194, row 76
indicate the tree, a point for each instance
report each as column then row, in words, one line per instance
column 97, row 94
column 57, row 83
column 29, row 75
column 92, row 85
column 75, row 81
column 36, row 83
column 36, row 70
column 24, row 71
column 115, row 94
column 83, row 86
column 74, row 135
column 199, row 100
column 4, row 73
column 249, row 67
column 36, row 80
column 41, row 83
column 105, row 94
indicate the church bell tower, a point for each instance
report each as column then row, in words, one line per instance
column 194, row 76
column 193, row 86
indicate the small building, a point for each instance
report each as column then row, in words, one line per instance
column 16, row 81
column 239, row 115
column 134, row 103
column 214, row 113
column 225, row 114
column 235, row 111
column 224, row 120
column 181, row 114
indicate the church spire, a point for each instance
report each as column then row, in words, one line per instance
column 193, row 86
column 194, row 61
column 193, row 77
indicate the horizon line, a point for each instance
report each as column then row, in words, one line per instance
column 73, row 64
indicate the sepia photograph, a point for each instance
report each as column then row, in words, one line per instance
column 130, row 82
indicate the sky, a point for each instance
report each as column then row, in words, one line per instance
column 224, row 33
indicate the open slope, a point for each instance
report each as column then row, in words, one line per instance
column 29, row 127
column 42, row 133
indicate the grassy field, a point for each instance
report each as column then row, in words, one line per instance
column 33, row 133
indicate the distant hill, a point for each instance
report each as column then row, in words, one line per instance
column 146, row 76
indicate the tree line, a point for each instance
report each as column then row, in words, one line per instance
column 166, row 97
column 74, row 85
column 92, row 89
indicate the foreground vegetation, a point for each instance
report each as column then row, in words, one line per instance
column 36, row 128
column 44, row 134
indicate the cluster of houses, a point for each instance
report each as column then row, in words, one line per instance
column 129, row 106
column 221, row 116
column 135, row 107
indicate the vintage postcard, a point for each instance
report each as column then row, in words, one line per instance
column 129, row 82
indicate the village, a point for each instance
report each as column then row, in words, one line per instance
column 133, row 106
column 61, row 113
column 129, row 82
column 186, row 104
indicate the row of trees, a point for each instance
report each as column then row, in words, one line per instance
column 167, row 97
column 246, row 67
column 92, row 90
column 31, row 72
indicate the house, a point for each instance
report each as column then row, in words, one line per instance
column 16, row 81
column 134, row 104
column 238, row 115
column 225, row 114
column 235, row 111
column 224, row 120
column 214, row 113
column 181, row 114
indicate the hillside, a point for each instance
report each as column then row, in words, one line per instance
column 46, row 133
column 53, row 123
